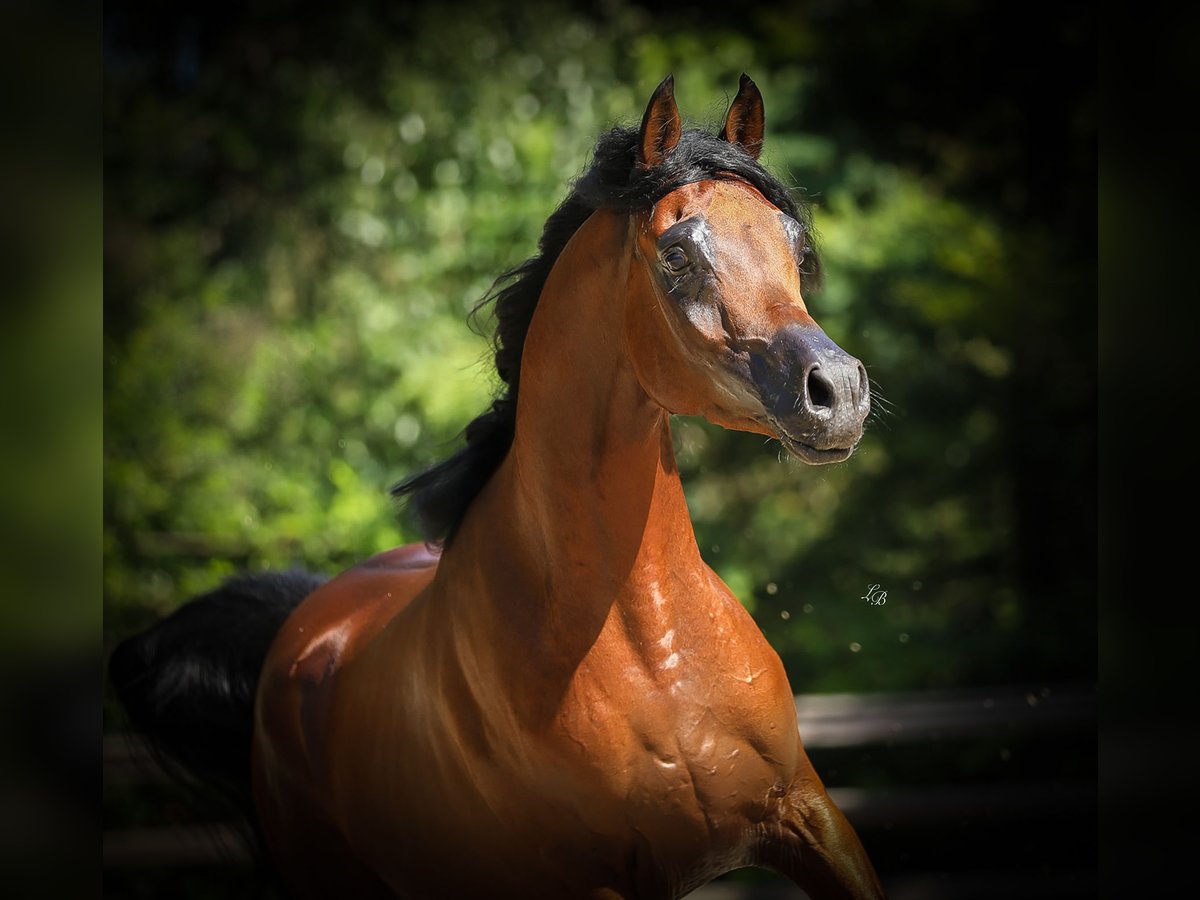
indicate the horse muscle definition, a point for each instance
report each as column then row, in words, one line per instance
column 555, row 697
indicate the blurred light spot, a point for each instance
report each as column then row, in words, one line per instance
column 382, row 412
column 916, row 585
column 354, row 155
column 981, row 426
column 579, row 95
column 357, row 454
column 987, row 357
column 466, row 145
column 526, row 107
column 404, row 186
column 372, row 171
column 372, row 232
column 808, row 607
column 531, row 65
column 903, row 638
column 380, row 316
column 412, row 128
column 342, row 443
column 855, row 646
column 447, row 173
column 501, row 154
column 772, row 588
column 360, row 224
column 406, row 430
column 784, row 614
column 578, row 34
column 1031, row 699
column 570, row 73
column 716, row 548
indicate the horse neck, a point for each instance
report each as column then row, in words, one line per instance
column 586, row 516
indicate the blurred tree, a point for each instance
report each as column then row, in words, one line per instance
column 303, row 202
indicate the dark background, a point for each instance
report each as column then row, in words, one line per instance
column 289, row 258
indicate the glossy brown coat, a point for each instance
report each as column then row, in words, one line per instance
column 568, row 703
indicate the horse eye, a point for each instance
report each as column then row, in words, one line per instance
column 675, row 259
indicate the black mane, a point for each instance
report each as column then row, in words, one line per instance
column 440, row 495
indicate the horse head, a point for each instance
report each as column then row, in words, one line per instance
column 717, row 323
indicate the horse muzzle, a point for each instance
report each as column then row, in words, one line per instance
column 815, row 394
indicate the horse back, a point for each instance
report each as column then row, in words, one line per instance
column 321, row 637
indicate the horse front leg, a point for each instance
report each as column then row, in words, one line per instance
column 817, row 848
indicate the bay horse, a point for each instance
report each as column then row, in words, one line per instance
column 554, row 696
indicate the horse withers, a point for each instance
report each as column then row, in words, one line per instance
column 555, row 697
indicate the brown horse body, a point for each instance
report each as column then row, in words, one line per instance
column 567, row 702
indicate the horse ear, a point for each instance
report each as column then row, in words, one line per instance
column 660, row 125
column 744, row 122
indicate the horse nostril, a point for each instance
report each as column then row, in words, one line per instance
column 820, row 391
column 864, row 385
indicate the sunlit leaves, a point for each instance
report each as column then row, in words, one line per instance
column 290, row 264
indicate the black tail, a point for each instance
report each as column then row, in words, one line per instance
column 188, row 683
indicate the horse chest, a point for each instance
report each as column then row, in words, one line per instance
column 659, row 758
column 677, row 749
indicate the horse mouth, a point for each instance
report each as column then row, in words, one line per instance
column 813, row 455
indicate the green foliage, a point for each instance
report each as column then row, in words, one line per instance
column 294, row 242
